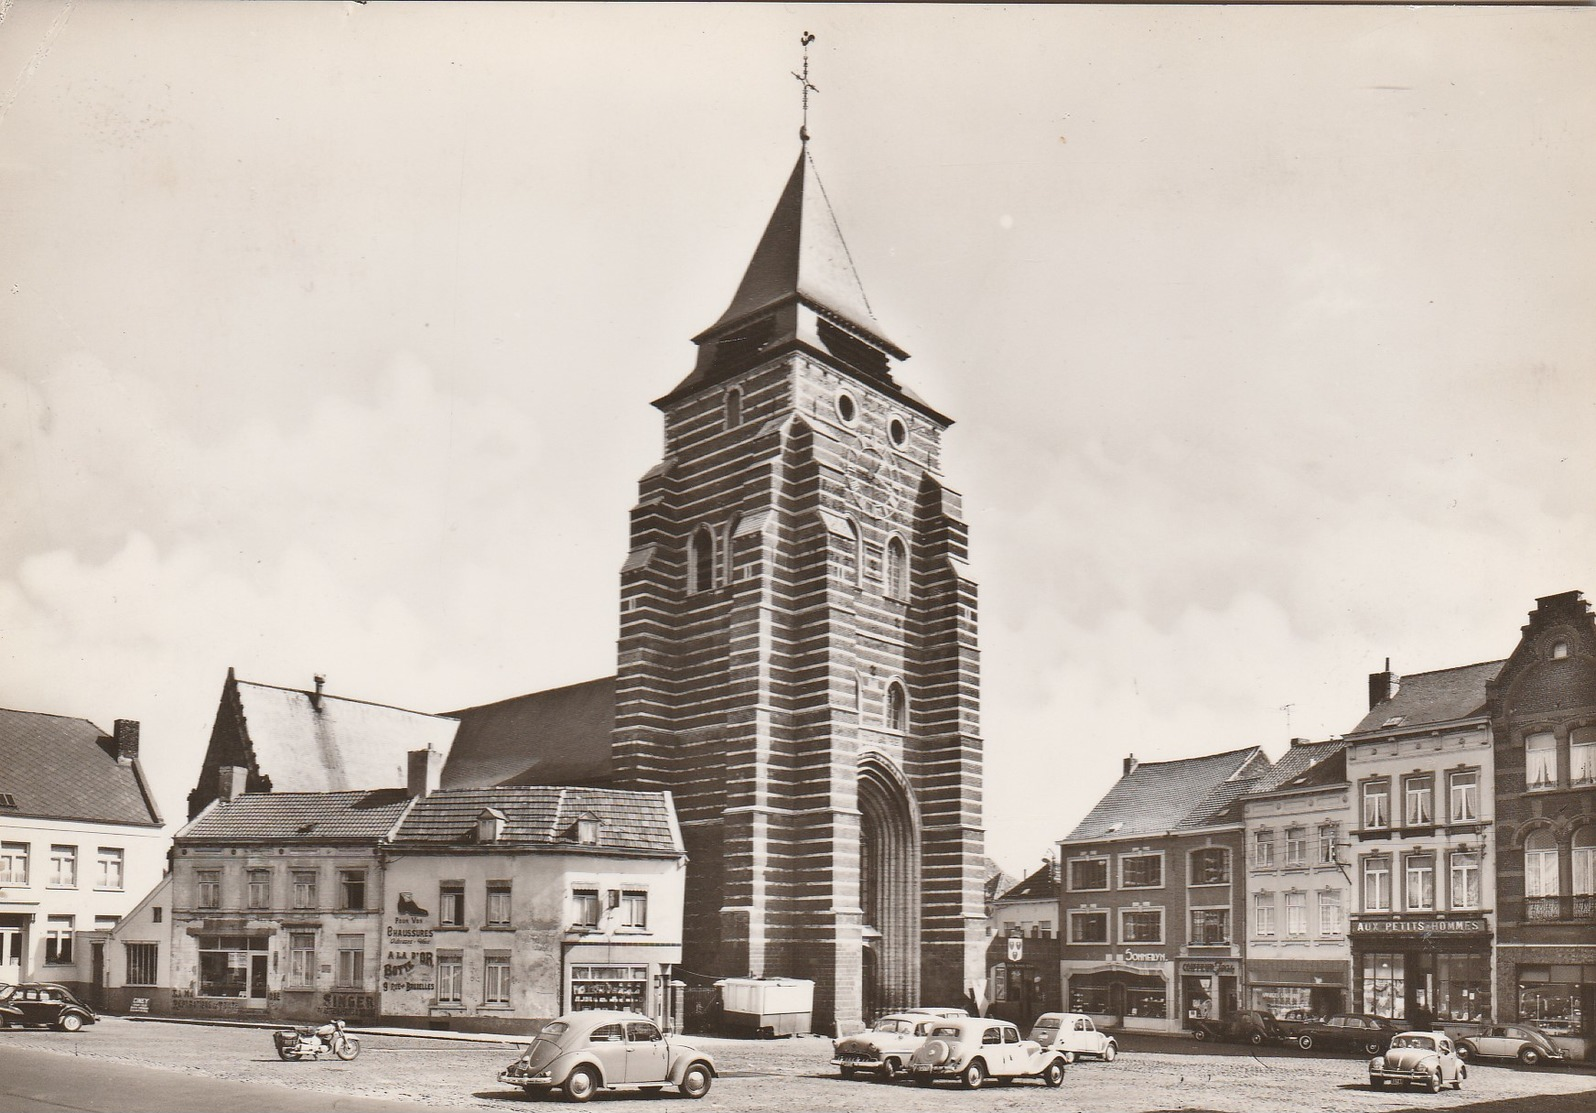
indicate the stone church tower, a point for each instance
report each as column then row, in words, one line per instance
column 797, row 658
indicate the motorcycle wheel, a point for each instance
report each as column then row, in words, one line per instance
column 347, row 1048
column 284, row 1054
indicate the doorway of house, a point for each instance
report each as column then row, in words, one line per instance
column 10, row 953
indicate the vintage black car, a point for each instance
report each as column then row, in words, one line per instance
column 1247, row 1026
column 45, row 1004
column 1363, row 1032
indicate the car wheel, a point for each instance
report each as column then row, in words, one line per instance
column 581, row 1084
column 1465, row 1052
column 1305, row 1042
column 70, row 1022
column 1200, row 1035
column 1433, row 1083
column 1529, row 1056
column 1110, row 1050
column 1255, row 1038
column 696, row 1080
column 974, row 1075
column 1054, row 1075
column 891, row 1070
column 1371, row 1048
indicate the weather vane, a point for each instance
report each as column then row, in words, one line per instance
column 803, row 79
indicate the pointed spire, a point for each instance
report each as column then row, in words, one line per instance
column 803, row 257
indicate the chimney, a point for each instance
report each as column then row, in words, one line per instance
column 231, row 782
column 1130, row 764
column 126, row 732
column 426, row 772
column 1299, row 741
column 315, row 697
column 1383, row 685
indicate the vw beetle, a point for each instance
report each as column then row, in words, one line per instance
column 885, row 1048
column 1427, row 1058
column 582, row 1053
column 973, row 1049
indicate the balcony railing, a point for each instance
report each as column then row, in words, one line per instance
column 1580, row 908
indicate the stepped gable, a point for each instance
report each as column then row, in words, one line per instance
column 1432, row 697
column 1155, row 798
column 300, row 817
column 546, row 815
column 55, row 767
column 556, row 737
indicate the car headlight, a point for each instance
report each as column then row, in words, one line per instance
column 1377, row 1063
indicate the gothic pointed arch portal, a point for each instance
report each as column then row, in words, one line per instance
column 889, row 871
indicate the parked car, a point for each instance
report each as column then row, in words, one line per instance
column 1252, row 1026
column 1524, row 1042
column 885, row 1048
column 1074, row 1034
column 938, row 1012
column 973, row 1049
column 43, row 1003
column 1427, row 1058
column 584, row 1052
column 1363, row 1032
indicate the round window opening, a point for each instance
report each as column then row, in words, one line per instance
column 846, row 409
column 897, row 431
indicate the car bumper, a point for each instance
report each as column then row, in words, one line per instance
column 543, row 1079
column 858, row 1062
column 1402, row 1075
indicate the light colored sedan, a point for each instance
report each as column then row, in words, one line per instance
column 1524, row 1042
column 885, row 1048
column 1075, row 1035
column 973, row 1049
column 584, row 1052
column 1427, row 1058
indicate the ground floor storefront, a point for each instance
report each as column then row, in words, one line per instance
column 1553, row 988
column 1422, row 970
column 1295, row 990
column 1210, row 989
column 1137, row 995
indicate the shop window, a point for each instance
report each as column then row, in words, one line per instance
column 233, row 965
column 1376, row 804
column 634, row 909
column 352, row 887
column 1141, row 925
column 1210, row 926
column 1418, row 801
column 1088, row 927
column 1297, row 914
column 1330, row 922
column 1088, row 875
column 451, row 904
column 1462, row 987
column 13, row 863
column 208, row 884
column 108, row 868
column 1540, row 865
column 1328, row 837
column 1465, row 888
column 142, row 963
column 1263, row 849
column 1146, row 1002
column 351, row 962
column 58, row 941
column 451, row 977
column 1141, row 871
column 1284, row 1002
column 64, row 867
column 1419, row 893
column 609, row 987
column 302, row 959
column 1385, row 985
column 1377, row 884
column 1296, row 846
column 585, row 908
column 496, row 979
column 259, row 889
column 1553, row 1006
column 1584, row 855
column 1263, row 914
column 304, row 888
column 498, row 904
column 1582, row 756
column 1210, row 866
column 1139, row 995
column 1540, row 760
column 1464, row 795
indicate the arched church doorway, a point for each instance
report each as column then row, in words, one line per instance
column 889, row 889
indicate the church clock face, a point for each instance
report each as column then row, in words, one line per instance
column 872, row 479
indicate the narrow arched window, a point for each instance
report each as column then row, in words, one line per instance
column 1540, row 865
column 729, row 572
column 701, row 560
column 895, row 578
column 1585, row 861
column 734, row 407
column 856, row 552
column 897, row 707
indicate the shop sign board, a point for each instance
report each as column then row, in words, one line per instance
column 1145, row 956
column 1201, row 968
column 1395, row 926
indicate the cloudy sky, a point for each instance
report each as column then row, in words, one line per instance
column 328, row 333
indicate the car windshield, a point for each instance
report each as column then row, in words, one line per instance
column 945, row 1030
column 892, row 1025
column 1048, row 1022
column 1424, row 1043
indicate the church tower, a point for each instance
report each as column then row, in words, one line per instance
column 797, row 658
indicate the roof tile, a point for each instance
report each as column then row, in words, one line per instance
column 61, row 768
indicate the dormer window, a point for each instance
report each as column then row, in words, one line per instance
column 490, row 825
column 587, row 829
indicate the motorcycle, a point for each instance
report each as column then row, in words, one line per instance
column 313, row 1041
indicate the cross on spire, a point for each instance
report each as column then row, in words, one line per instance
column 803, row 80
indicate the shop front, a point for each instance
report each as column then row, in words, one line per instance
column 1553, row 988
column 1297, row 990
column 1210, row 989
column 1132, row 994
column 1422, row 970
